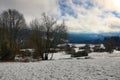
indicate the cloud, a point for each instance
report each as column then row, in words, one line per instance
column 31, row 8
column 93, row 16
column 81, row 16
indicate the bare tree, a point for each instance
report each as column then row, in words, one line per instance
column 51, row 34
column 36, row 39
column 49, row 23
column 12, row 22
column 59, row 36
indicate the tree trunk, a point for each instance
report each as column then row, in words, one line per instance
column 51, row 56
column 46, row 56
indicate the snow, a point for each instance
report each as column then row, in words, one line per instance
column 105, row 54
column 78, row 45
column 59, row 55
column 82, row 69
column 31, row 50
column 102, row 46
column 101, row 66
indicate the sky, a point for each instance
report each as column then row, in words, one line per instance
column 80, row 16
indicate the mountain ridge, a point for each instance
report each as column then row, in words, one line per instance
column 90, row 38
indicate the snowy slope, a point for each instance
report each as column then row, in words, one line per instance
column 71, row 69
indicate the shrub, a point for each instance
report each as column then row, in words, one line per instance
column 118, row 48
column 69, row 50
column 80, row 54
column 97, row 48
column 7, row 54
column 24, row 54
column 109, row 44
column 85, row 47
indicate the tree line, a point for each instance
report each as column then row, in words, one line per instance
column 43, row 34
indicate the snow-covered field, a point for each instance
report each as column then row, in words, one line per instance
column 101, row 66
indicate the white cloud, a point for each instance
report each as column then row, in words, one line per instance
column 98, row 18
column 31, row 8
column 89, row 20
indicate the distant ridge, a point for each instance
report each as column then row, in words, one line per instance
column 90, row 38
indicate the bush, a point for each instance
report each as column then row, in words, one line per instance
column 7, row 54
column 80, row 54
column 69, row 50
column 87, row 46
column 118, row 48
column 25, row 53
column 36, row 55
column 97, row 48
column 109, row 44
